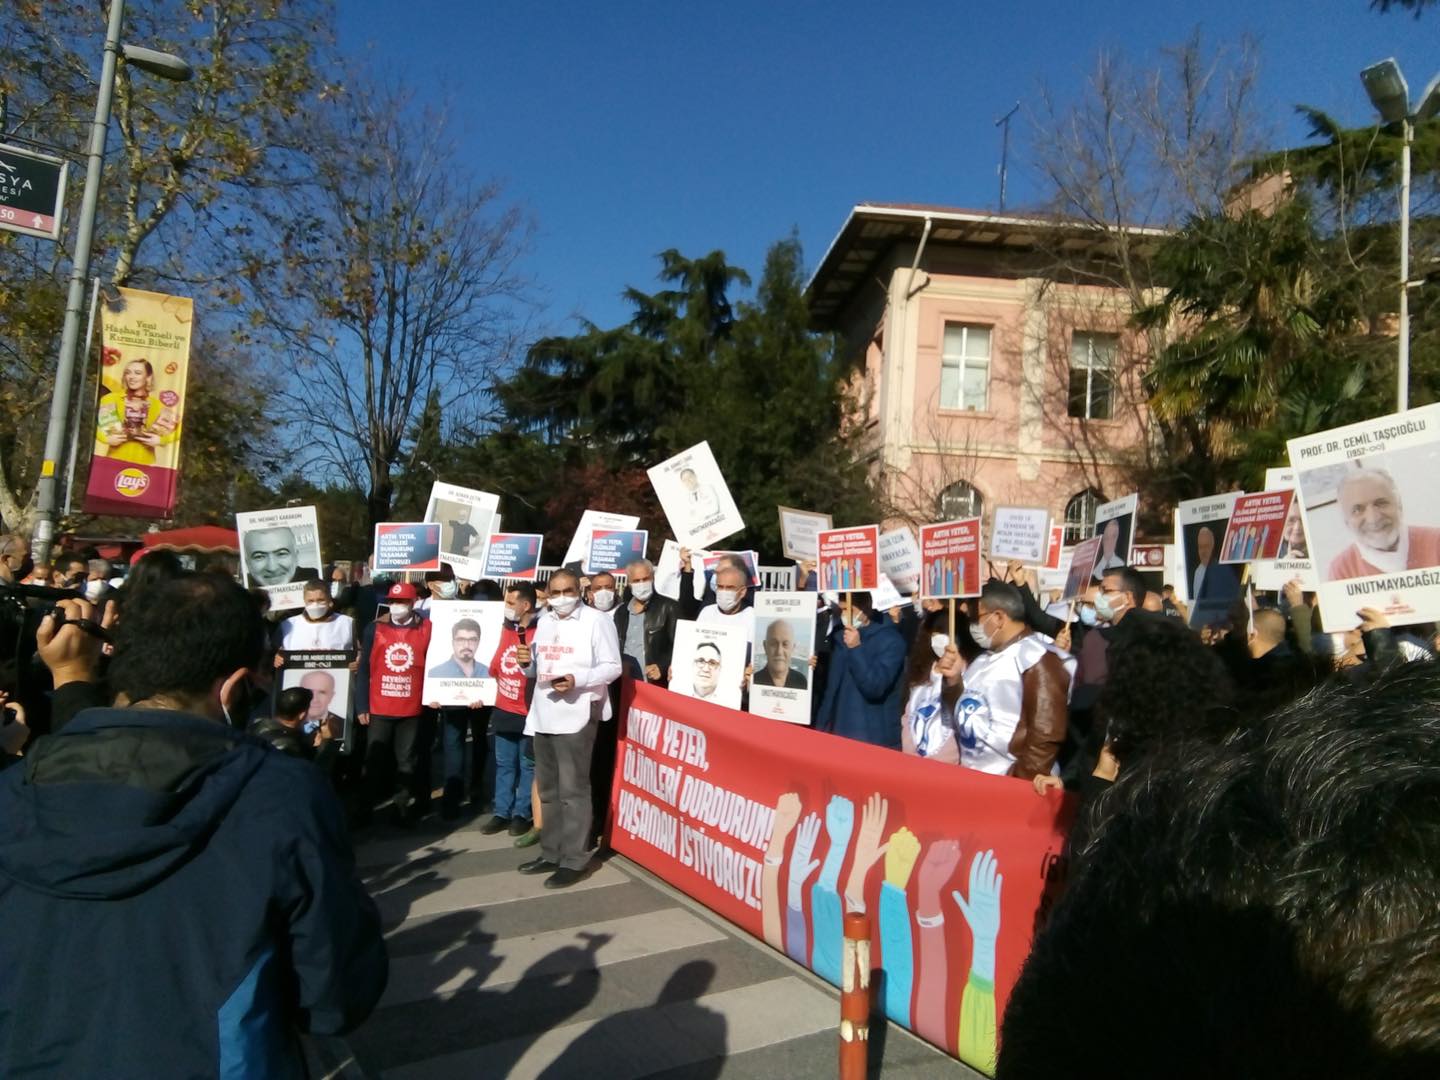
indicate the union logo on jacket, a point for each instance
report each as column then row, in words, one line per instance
column 396, row 676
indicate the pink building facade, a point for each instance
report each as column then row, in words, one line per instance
column 986, row 371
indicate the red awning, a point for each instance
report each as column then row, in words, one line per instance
column 199, row 538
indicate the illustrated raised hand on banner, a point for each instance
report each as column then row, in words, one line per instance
column 977, row 1044
column 825, row 910
column 797, row 944
column 787, row 813
column 897, row 947
column 868, row 850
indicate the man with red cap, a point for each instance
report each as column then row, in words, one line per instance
column 387, row 698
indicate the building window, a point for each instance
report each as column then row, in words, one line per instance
column 960, row 500
column 965, row 368
column 1080, row 516
column 1092, row 375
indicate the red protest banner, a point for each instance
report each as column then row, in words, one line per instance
column 849, row 558
column 950, row 559
column 781, row 830
column 1257, row 525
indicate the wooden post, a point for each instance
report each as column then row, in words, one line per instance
column 855, row 998
column 952, row 623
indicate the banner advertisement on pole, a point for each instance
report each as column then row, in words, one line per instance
column 708, row 662
column 1210, row 585
column 784, row 642
column 327, row 676
column 1257, row 527
column 1371, row 504
column 950, row 559
column 591, row 520
column 615, row 549
column 513, row 555
column 144, row 362
column 1021, row 532
column 1115, row 526
column 279, row 552
column 800, row 531
column 695, row 498
column 464, row 641
column 782, row 831
column 1293, row 562
column 467, row 518
column 403, row 547
column 1083, row 557
column 900, row 556
column 849, row 559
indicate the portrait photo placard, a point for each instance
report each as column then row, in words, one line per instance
column 1371, row 504
column 326, row 674
column 466, row 517
column 1082, row 566
column 780, row 657
column 1115, row 526
column 279, row 552
column 464, row 639
column 708, row 662
column 1211, row 586
column 695, row 498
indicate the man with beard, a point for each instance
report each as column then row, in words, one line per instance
column 1371, row 508
column 464, row 640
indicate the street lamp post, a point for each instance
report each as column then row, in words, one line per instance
column 157, row 63
column 1390, row 94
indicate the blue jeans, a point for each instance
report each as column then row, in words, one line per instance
column 455, row 724
column 514, row 769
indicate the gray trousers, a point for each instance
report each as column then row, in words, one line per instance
column 562, row 772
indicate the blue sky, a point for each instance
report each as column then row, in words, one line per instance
column 631, row 127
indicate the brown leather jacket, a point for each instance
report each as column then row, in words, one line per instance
column 1043, row 717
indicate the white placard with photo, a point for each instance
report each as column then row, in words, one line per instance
column 800, row 532
column 1115, row 525
column 464, row 638
column 326, row 674
column 784, row 641
column 695, row 498
column 466, row 517
column 1294, row 561
column 1371, row 504
column 708, row 662
column 1020, row 532
column 591, row 520
column 279, row 552
column 1211, row 587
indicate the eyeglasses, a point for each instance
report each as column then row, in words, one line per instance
column 706, row 661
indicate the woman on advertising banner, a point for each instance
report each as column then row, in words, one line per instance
column 132, row 422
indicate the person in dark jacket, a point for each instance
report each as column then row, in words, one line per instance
column 866, row 680
column 645, row 649
column 176, row 897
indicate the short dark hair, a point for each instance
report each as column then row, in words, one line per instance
column 315, row 585
column 465, row 624
column 293, row 702
column 525, row 589
column 707, row 645
column 149, row 570
column 183, row 635
column 1002, row 596
column 1131, row 583
column 1268, row 903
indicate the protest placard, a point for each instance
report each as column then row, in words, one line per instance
column 1371, row 505
column 1056, row 548
column 1292, row 562
column 695, row 498
column 708, row 662
column 513, row 555
column 800, row 531
column 900, row 556
column 614, row 549
column 950, row 559
column 402, row 547
column 1115, row 526
column 784, row 641
column 1083, row 557
column 849, row 558
column 1210, row 585
column 326, row 674
column 591, row 520
column 1054, row 577
column 463, row 643
column 279, row 552
column 467, row 518
column 1257, row 526
column 1020, row 532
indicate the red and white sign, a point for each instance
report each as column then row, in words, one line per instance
column 950, row 559
column 849, row 559
column 1257, row 525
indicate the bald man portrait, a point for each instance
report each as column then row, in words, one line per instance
column 1380, row 541
column 272, row 557
column 1213, row 585
column 779, row 643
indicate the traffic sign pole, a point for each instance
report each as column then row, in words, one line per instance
column 47, row 490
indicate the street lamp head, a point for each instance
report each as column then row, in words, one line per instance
column 1429, row 101
column 162, row 64
column 1387, row 89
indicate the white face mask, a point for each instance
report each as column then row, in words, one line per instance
column 727, row 599
column 511, row 615
column 938, row 644
column 982, row 639
column 400, row 613
column 447, row 590
column 642, row 590
column 93, row 589
column 564, row 605
column 603, row 599
column 317, row 611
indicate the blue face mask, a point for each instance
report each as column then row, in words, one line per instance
column 1087, row 615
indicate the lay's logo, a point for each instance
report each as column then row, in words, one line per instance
column 131, row 482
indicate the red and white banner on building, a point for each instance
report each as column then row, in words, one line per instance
column 782, row 830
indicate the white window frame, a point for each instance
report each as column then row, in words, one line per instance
column 1091, row 339
column 973, row 493
column 1081, row 529
column 965, row 362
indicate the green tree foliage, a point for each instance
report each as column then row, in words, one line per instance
column 586, row 415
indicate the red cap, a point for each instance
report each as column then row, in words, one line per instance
column 401, row 590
